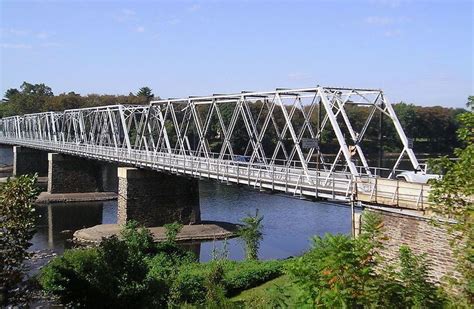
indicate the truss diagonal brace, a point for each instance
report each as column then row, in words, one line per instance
column 337, row 131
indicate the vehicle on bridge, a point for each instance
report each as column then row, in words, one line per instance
column 419, row 177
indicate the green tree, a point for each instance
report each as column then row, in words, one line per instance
column 453, row 198
column 10, row 93
column 251, row 234
column 145, row 92
column 17, row 219
column 30, row 98
column 470, row 102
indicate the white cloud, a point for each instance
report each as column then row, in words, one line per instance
column 389, row 3
column 13, row 32
column 140, row 29
column 385, row 20
column 194, row 8
column 174, row 21
column 379, row 20
column 392, row 33
column 15, row 46
column 43, row 35
column 51, row 44
column 125, row 15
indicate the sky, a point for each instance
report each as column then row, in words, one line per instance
column 419, row 52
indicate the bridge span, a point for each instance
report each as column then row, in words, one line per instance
column 276, row 141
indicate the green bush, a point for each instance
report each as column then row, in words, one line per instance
column 191, row 284
column 116, row 274
column 75, row 277
column 17, row 222
column 340, row 271
column 239, row 276
column 135, row 272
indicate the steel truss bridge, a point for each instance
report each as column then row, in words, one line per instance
column 268, row 140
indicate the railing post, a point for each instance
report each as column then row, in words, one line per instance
column 273, row 177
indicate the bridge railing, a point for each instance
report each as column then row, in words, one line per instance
column 280, row 178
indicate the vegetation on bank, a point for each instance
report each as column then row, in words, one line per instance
column 135, row 272
column 17, row 218
column 453, row 197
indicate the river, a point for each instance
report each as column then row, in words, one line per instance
column 289, row 223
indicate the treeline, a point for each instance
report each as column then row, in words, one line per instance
column 431, row 128
column 34, row 98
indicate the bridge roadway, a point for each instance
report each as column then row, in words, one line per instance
column 336, row 186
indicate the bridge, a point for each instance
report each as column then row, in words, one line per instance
column 271, row 141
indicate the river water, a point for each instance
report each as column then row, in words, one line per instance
column 289, row 223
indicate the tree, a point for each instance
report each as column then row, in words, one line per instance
column 251, row 234
column 17, row 220
column 145, row 92
column 453, row 198
column 30, row 99
column 10, row 93
column 470, row 102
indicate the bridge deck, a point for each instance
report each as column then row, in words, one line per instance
column 318, row 184
column 293, row 181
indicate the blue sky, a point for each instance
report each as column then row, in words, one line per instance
column 416, row 51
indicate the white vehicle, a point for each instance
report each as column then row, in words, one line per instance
column 420, row 177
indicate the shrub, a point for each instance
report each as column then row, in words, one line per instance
column 75, row 277
column 116, row 274
column 189, row 285
column 251, row 234
column 339, row 271
column 239, row 276
column 17, row 218
column 194, row 280
column 172, row 230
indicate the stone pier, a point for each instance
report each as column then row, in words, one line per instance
column 70, row 174
column 154, row 199
column 29, row 161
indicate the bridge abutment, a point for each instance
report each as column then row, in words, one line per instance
column 29, row 161
column 421, row 235
column 154, row 198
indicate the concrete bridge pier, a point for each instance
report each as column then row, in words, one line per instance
column 70, row 174
column 29, row 161
column 154, row 199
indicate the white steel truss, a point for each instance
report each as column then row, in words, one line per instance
column 279, row 134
